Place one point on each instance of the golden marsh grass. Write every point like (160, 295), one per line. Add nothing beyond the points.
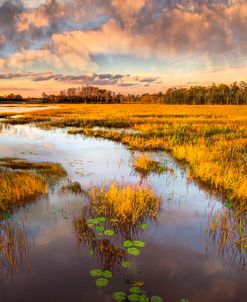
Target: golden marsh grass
(212, 140)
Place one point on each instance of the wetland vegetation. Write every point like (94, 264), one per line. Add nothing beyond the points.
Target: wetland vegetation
(120, 223)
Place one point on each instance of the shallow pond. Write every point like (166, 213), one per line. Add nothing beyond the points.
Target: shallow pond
(178, 260)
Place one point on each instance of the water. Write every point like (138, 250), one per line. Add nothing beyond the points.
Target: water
(178, 259)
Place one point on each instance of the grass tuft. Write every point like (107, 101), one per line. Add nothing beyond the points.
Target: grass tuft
(126, 203)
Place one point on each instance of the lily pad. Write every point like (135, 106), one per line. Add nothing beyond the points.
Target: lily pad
(107, 274)
(126, 264)
(119, 296)
(134, 297)
(156, 299)
(109, 232)
(99, 228)
(96, 272)
(92, 221)
(90, 252)
(184, 300)
(101, 219)
(144, 226)
(128, 243)
(139, 243)
(101, 282)
(143, 298)
(135, 290)
(133, 251)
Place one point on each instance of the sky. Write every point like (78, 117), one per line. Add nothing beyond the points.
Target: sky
(127, 46)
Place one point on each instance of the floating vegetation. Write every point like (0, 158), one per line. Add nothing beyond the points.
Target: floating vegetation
(104, 276)
(101, 282)
(90, 252)
(144, 226)
(109, 232)
(136, 294)
(135, 243)
(111, 212)
(133, 251)
(126, 264)
(119, 296)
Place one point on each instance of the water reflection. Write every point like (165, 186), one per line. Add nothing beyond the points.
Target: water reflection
(173, 263)
(14, 246)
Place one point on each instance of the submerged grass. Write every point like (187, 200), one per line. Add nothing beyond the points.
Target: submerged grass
(22, 181)
(144, 165)
(228, 231)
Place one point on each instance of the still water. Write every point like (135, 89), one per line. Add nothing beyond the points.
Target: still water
(178, 261)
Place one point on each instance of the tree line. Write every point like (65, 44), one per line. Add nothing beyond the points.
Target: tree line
(222, 94)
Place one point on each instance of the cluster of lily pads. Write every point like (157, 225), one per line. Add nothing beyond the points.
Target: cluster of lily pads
(103, 276)
(133, 247)
(98, 224)
(136, 294)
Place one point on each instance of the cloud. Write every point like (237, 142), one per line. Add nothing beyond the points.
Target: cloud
(82, 79)
(53, 36)
(40, 17)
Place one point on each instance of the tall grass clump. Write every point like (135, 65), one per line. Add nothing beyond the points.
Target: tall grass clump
(22, 181)
(126, 203)
(144, 165)
(18, 187)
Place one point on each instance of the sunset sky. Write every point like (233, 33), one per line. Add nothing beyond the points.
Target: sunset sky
(128, 46)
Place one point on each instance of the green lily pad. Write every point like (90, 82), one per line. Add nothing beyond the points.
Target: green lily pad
(156, 299)
(139, 243)
(90, 252)
(107, 274)
(99, 228)
(144, 226)
(101, 219)
(143, 298)
(92, 221)
(119, 296)
(134, 297)
(128, 243)
(101, 282)
(109, 232)
(96, 272)
(135, 290)
(133, 251)
(126, 264)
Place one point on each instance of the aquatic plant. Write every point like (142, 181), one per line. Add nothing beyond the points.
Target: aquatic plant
(127, 203)
(72, 187)
(144, 165)
(228, 229)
